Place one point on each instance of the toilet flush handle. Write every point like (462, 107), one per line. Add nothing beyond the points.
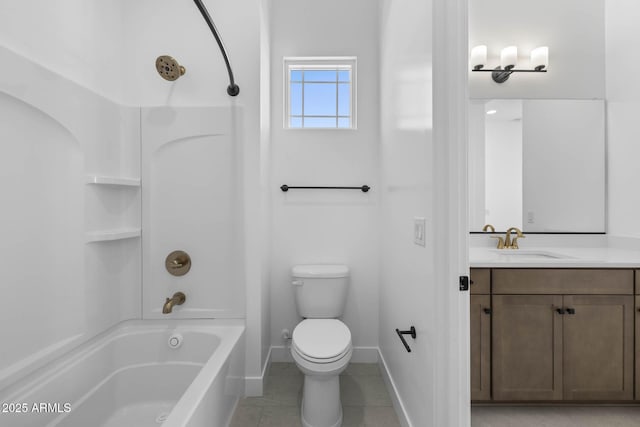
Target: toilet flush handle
(297, 282)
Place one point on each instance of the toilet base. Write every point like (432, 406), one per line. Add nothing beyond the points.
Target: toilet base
(321, 405)
(306, 424)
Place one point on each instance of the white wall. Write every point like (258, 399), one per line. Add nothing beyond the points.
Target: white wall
(407, 290)
(623, 110)
(573, 30)
(423, 153)
(326, 226)
(81, 40)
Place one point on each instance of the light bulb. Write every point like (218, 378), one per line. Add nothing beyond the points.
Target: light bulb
(478, 57)
(509, 57)
(540, 58)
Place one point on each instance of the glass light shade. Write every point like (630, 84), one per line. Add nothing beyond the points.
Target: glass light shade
(478, 57)
(540, 58)
(509, 57)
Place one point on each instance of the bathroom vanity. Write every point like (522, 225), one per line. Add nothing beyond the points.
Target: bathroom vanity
(547, 328)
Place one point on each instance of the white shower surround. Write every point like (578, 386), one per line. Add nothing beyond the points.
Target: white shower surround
(191, 201)
(56, 136)
(77, 272)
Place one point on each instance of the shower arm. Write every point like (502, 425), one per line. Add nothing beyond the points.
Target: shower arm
(233, 89)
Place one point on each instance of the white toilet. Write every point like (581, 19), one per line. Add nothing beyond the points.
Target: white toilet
(321, 344)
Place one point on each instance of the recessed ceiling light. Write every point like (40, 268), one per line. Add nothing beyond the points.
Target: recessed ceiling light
(492, 111)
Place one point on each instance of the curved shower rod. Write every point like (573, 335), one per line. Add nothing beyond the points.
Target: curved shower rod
(233, 89)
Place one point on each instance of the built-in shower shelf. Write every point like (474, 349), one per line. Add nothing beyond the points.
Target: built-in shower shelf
(113, 180)
(109, 235)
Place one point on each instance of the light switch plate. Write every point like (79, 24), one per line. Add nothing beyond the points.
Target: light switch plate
(419, 231)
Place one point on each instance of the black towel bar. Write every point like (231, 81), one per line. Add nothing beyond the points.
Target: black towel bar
(363, 188)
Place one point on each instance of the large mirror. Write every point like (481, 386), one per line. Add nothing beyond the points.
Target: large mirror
(538, 165)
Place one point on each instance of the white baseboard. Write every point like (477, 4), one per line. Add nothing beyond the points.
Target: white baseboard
(254, 386)
(360, 354)
(393, 392)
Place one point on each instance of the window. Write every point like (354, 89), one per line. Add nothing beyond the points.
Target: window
(320, 93)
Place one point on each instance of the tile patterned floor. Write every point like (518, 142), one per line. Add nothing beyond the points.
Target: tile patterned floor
(574, 416)
(365, 400)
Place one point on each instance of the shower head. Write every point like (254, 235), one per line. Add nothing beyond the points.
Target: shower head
(168, 68)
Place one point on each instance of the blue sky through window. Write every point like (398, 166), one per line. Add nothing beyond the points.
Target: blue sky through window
(319, 98)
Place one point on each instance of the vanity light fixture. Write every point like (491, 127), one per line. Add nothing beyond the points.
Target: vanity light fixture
(509, 61)
(540, 58)
(509, 57)
(478, 57)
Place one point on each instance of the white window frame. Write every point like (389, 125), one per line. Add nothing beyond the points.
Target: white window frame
(319, 63)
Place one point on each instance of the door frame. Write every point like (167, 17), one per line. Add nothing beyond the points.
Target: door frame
(450, 100)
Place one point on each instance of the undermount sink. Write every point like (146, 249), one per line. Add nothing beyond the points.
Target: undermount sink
(529, 254)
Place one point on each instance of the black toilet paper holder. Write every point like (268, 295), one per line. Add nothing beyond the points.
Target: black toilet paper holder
(411, 331)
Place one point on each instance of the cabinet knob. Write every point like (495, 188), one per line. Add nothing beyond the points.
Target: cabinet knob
(487, 310)
(560, 310)
(571, 310)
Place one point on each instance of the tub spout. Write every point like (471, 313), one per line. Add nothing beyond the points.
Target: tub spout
(177, 299)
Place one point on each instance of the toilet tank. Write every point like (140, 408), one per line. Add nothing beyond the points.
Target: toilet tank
(320, 290)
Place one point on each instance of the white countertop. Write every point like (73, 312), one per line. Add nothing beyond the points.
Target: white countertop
(554, 255)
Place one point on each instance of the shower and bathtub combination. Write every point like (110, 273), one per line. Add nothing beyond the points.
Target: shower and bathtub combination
(141, 373)
(117, 331)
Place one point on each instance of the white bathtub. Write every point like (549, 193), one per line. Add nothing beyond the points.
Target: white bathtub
(129, 376)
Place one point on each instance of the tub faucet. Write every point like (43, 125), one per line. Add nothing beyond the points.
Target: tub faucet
(177, 299)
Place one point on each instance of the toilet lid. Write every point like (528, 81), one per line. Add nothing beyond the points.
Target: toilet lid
(321, 338)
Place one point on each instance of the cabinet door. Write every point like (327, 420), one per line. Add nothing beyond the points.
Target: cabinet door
(637, 343)
(480, 347)
(527, 347)
(480, 281)
(598, 347)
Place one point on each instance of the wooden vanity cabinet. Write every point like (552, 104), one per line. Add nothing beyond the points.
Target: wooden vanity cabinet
(480, 281)
(480, 328)
(637, 349)
(598, 347)
(527, 347)
(556, 337)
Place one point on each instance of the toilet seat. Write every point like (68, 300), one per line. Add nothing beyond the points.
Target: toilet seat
(315, 360)
(321, 340)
